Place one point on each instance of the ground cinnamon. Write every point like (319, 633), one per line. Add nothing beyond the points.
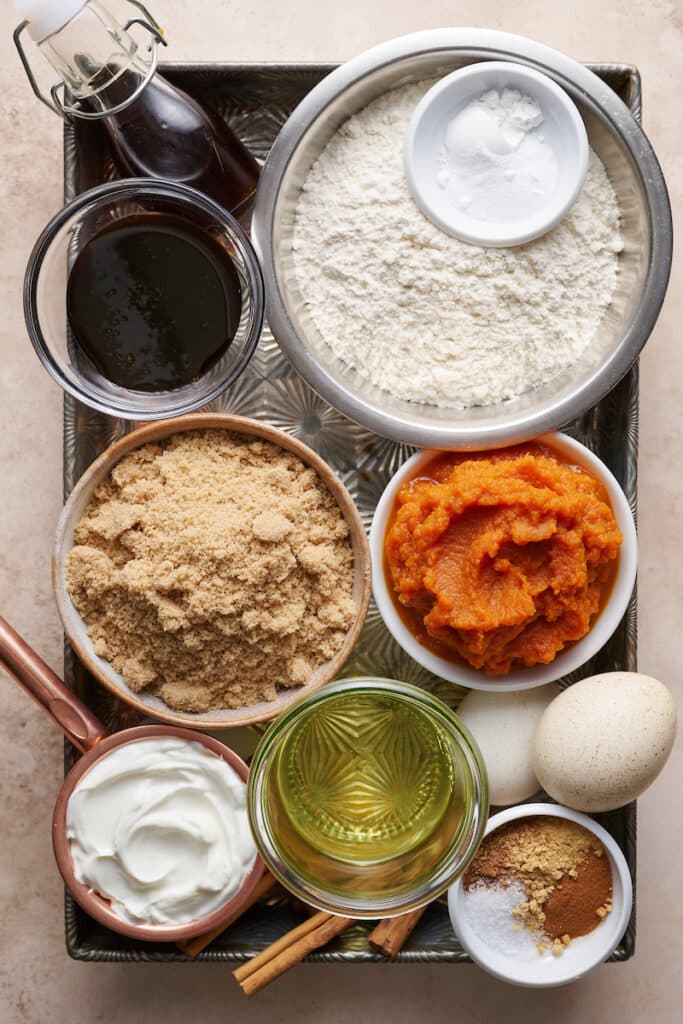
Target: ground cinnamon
(578, 904)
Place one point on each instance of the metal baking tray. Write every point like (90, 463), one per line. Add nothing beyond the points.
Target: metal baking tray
(256, 99)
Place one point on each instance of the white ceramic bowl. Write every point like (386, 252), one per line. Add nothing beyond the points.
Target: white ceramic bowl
(568, 660)
(563, 131)
(582, 954)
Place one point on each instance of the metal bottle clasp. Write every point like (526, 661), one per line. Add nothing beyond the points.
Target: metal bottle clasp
(66, 110)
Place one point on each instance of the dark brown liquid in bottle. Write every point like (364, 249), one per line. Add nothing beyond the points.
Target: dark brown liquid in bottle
(165, 133)
(153, 301)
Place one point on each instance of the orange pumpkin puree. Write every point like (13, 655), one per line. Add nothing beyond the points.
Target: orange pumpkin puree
(502, 558)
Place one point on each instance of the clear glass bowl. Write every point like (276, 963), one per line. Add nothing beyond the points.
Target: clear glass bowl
(359, 818)
(45, 296)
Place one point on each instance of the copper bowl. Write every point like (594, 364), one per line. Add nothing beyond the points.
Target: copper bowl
(89, 736)
(96, 905)
(76, 630)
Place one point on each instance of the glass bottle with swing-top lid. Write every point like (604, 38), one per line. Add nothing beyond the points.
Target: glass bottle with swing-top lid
(155, 129)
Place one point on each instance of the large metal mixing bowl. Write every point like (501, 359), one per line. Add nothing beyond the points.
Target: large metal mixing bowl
(644, 263)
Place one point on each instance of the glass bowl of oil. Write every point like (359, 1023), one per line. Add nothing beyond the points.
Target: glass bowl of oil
(368, 798)
(144, 299)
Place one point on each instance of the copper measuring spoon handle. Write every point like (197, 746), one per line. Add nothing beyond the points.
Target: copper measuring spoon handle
(20, 661)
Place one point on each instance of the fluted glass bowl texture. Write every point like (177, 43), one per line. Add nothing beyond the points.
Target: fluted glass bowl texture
(387, 885)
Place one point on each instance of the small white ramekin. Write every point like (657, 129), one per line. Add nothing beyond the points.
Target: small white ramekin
(582, 954)
(567, 660)
(563, 130)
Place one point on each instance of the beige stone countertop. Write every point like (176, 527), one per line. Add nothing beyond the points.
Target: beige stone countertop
(38, 982)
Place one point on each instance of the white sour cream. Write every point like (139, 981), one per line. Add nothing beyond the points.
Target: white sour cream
(159, 827)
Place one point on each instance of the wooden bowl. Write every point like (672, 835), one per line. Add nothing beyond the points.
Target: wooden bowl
(76, 630)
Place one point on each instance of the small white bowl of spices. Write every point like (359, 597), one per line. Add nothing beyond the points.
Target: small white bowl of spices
(547, 897)
(496, 154)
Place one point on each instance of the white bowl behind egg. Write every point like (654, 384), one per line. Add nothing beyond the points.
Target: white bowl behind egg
(582, 954)
(567, 660)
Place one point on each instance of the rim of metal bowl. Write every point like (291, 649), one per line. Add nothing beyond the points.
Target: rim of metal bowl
(447, 869)
(486, 44)
(121, 189)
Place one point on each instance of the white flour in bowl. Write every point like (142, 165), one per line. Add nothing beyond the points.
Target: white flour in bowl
(425, 316)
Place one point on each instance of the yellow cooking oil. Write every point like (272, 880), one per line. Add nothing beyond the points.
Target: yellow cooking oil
(366, 777)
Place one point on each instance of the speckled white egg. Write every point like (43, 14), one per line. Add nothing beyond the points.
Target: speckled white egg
(604, 740)
(503, 725)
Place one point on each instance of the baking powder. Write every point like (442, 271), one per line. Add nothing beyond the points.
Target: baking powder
(495, 164)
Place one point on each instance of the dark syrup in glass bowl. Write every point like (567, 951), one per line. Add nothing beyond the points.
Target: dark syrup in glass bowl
(153, 301)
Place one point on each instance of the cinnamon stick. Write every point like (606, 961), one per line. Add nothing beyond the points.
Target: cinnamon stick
(284, 942)
(193, 947)
(288, 951)
(390, 935)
